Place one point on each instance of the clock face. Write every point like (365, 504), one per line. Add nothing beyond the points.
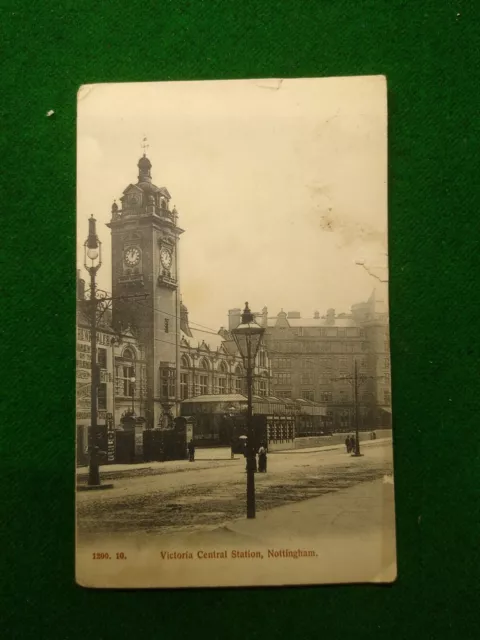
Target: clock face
(133, 200)
(166, 258)
(132, 256)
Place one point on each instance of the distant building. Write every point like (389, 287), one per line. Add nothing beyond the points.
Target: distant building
(310, 356)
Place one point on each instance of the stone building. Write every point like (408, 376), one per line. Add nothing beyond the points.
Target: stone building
(122, 372)
(210, 363)
(313, 359)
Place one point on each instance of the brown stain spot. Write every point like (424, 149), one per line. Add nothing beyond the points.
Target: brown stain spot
(327, 222)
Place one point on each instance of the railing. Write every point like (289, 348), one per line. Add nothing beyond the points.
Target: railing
(165, 213)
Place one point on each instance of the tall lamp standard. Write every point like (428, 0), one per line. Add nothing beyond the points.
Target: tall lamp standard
(356, 411)
(132, 382)
(248, 336)
(92, 263)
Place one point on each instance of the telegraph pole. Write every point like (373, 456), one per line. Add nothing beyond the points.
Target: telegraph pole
(355, 394)
(355, 381)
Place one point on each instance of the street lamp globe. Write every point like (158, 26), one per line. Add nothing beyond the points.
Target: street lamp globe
(248, 336)
(92, 247)
(92, 253)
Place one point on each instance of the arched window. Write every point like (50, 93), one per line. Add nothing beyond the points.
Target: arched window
(125, 372)
(262, 359)
(222, 377)
(184, 386)
(203, 386)
(128, 354)
(239, 380)
(167, 383)
(185, 362)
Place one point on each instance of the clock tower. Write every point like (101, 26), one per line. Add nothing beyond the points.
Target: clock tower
(145, 238)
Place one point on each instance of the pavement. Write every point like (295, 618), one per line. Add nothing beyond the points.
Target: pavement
(332, 447)
(203, 458)
(203, 455)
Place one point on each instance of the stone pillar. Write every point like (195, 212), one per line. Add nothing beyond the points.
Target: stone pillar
(138, 435)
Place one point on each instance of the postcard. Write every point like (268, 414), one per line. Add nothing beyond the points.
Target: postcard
(233, 405)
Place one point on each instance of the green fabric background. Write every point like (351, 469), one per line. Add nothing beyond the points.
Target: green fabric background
(429, 51)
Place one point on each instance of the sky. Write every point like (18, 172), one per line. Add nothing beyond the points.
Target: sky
(280, 185)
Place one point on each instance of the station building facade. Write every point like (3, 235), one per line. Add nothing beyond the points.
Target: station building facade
(313, 359)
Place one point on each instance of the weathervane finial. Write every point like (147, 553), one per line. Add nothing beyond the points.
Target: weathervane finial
(145, 145)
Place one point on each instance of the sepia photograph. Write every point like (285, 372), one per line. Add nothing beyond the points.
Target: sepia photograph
(233, 389)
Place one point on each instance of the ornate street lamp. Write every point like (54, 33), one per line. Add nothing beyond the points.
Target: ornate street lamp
(248, 336)
(92, 263)
(132, 382)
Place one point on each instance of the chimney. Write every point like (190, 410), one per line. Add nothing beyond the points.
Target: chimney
(331, 316)
(224, 333)
(184, 326)
(80, 287)
(264, 317)
(316, 315)
(234, 318)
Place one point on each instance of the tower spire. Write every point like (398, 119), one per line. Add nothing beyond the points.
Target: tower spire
(144, 164)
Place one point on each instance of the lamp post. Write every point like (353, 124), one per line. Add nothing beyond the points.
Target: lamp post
(248, 336)
(355, 396)
(92, 263)
(132, 382)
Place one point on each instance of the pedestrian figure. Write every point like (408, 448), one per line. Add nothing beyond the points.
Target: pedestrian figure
(191, 451)
(232, 445)
(262, 458)
(348, 444)
(94, 467)
(353, 444)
